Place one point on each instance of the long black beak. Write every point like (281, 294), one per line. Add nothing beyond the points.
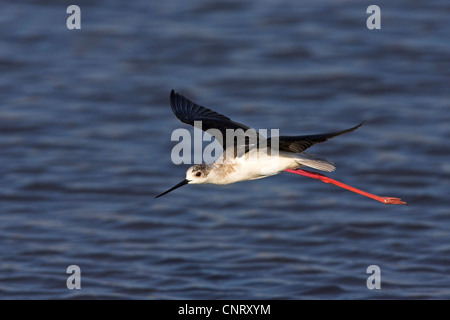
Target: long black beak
(182, 183)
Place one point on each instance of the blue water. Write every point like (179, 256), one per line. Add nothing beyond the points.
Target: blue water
(85, 128)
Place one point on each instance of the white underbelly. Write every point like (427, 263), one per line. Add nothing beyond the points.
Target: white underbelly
(257, 167)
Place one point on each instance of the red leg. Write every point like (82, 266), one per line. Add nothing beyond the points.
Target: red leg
(323, 178)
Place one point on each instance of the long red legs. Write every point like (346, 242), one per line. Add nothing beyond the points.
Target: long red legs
(323, 178)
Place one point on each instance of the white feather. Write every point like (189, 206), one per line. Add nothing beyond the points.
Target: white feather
(316, 162)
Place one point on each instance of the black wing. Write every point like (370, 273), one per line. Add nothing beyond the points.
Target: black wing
(298, 144)
(189, 112)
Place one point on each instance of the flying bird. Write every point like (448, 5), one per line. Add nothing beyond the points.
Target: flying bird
(247, 155)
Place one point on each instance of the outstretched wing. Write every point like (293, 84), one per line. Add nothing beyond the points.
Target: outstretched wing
(298, 144)
(215, 123)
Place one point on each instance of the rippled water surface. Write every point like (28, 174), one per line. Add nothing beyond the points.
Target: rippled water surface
(85, 128)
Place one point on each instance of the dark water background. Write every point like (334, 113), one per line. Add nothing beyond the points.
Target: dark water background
(85, 129)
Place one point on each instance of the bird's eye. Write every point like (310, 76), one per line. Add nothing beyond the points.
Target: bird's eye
(198, 174)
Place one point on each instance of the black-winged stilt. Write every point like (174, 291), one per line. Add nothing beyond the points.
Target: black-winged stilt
(254, 158)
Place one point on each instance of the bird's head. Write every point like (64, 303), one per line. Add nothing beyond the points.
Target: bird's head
(197, 174)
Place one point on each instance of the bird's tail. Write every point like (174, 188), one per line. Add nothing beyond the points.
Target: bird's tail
(311, 160)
